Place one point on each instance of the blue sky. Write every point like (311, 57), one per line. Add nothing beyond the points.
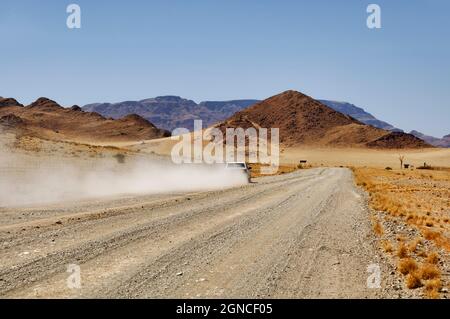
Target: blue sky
(217, 50)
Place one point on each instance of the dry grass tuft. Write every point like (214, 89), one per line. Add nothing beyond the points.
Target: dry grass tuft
(387, 246)
(378, 228)
(429, 271)
(407, 266)
(413, 281)
(431, 235)
(413, 245)
(422, 254)
(432, 288)
(402, 251)
(433, 258)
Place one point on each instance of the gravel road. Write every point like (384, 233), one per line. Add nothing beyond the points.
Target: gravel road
(301, 235)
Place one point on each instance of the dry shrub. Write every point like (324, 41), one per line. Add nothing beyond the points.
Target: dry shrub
(387, 246)
(120, 158)
(429, 271)
(433, 258)
(432, 294)
(431, 235)
(422, 254)
(413, 280)
(413, 245)
(432, 288)
(402, 251)
(407, 266)
(377, 228)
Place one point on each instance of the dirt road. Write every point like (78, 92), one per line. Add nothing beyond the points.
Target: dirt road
(300, 235)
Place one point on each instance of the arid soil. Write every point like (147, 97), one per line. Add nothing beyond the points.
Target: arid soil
(302, 234)
(359, 157)
(323, 156)
(299, 235)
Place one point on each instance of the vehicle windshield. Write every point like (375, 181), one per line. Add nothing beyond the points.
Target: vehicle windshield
(236, 165)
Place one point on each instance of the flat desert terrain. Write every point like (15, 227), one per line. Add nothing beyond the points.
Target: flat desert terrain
(148, 230)
(323, 156)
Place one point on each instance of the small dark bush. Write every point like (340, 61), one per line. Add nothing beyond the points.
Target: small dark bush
(120, 158)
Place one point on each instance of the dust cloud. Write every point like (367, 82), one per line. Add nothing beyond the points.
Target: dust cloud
(26, 179)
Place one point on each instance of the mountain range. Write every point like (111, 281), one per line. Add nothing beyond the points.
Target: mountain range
(45, 118)
(304, 121)
(367, 118)
(301, 119)
(435, 141)
(360, 114)
(170, 112)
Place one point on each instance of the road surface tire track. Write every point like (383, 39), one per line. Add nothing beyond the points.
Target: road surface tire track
(304, 234)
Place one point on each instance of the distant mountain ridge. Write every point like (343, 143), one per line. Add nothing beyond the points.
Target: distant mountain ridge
(360, 114)
(304, 121)
(170, 112)
(440, 142)
(129, 120)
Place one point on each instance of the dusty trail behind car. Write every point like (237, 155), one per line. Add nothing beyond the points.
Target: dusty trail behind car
(304, 234)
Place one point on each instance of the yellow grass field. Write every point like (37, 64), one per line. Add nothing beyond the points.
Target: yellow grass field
(418, 197)
(420, 200)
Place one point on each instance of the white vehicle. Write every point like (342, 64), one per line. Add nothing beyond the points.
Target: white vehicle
(242, 166)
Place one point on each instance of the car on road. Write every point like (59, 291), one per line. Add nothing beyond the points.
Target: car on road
(242, 166)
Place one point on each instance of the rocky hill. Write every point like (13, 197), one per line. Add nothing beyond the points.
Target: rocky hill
(305, 121)
(45, 118)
